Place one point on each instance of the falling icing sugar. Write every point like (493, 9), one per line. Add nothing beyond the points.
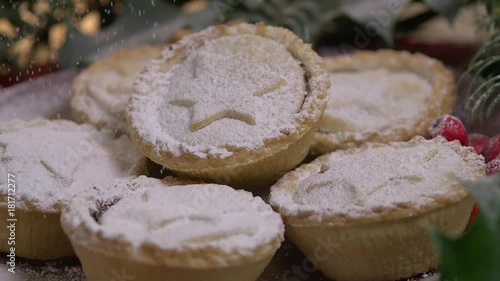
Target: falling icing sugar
(234, 91)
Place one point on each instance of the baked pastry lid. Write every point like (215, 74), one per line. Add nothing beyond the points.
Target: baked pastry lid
(281, 197)
(105, 109)
(440, 102)
(317, 84)
(49, 198)
(80, 221)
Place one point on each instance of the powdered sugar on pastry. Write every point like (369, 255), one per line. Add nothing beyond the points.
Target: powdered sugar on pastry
(173, 218)
(373, 100)
(234, 91)
(100, 93)
(377, 179)
(54, 160)
(211, 218)
(382, 96)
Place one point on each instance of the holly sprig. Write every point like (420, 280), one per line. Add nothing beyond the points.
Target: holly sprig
(476, 255)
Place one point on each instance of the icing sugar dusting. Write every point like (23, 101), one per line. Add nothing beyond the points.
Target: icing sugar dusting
(146, 211)
(194, 216)
(381, 177)
(234, 91)
(54, 160)
(372, 100)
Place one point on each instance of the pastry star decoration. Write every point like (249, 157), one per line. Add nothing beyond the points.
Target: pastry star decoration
(222, 87)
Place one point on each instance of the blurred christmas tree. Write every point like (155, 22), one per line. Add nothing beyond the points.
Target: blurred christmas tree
(33, 31)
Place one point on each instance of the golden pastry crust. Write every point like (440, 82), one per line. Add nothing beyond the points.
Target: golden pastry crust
(107, 109)
(281, 197)
(243, 161)
(394, 250)
(97, 244)
(441, 101)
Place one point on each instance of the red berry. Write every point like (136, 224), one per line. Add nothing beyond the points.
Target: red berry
(493, 167)
(492, 149)
(478, 141)
(473, 214)
(450, 127)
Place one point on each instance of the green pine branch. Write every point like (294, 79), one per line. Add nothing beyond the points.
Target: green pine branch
(484, 70)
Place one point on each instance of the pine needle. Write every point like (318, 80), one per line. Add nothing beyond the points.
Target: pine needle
(482, 97)
(482, 102)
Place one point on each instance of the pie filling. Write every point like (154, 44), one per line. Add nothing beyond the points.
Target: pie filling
(101, 206)
(373, 99)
